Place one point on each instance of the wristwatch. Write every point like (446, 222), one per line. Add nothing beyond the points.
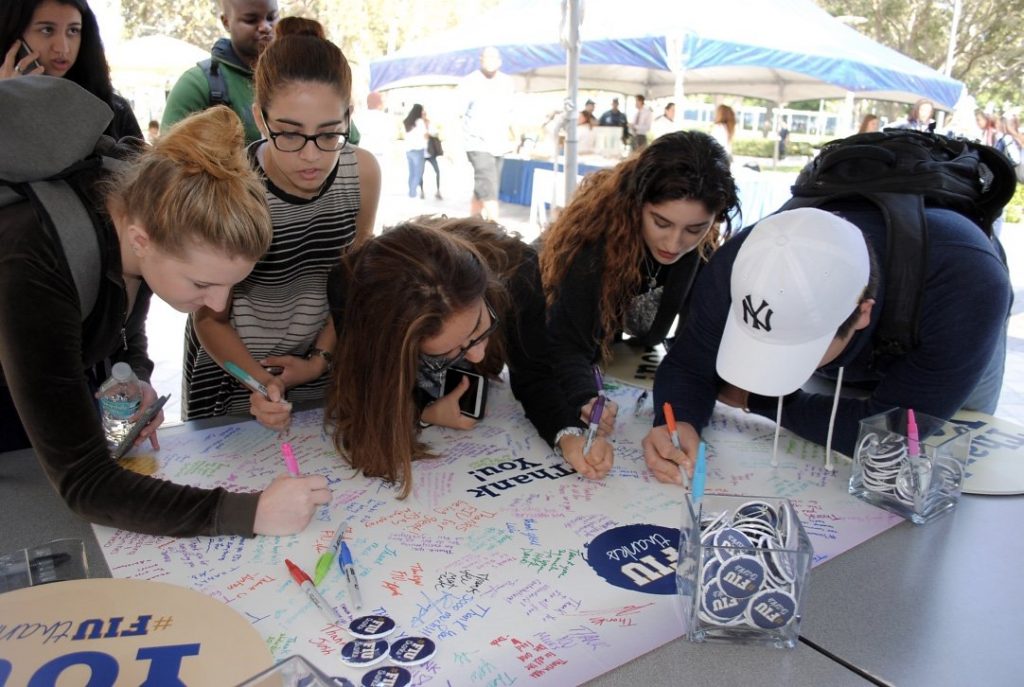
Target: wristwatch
(328, 357)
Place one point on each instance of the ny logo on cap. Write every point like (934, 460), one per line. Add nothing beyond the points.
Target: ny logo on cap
(748, 310)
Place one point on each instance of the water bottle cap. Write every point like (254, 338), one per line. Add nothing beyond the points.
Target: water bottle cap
(122, 372)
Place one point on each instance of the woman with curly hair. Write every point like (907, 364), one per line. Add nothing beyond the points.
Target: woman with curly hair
(426, 300)
(623, 255)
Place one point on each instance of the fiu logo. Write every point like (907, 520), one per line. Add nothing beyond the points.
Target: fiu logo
(750, 313)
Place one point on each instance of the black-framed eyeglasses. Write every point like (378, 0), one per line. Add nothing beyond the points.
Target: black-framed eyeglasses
(293, 141)
(439, 363)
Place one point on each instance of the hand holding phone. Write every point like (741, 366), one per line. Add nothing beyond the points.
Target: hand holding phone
(474, 401)
(21, 66)
(133, 434)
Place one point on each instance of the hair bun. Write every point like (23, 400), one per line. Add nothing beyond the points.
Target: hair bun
(299, 26)
(208, 142)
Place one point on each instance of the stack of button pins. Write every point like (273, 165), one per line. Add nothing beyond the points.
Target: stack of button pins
(748, 578)
(888, 469)
(370, 648)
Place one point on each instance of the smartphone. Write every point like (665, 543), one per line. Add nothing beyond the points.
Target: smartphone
(473, 402)
(23, 52)
(133, 434)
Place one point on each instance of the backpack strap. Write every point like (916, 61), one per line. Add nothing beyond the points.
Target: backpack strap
(57, 204)
(215, 80)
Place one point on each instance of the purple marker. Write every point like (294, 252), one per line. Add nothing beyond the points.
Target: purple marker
(595, 420)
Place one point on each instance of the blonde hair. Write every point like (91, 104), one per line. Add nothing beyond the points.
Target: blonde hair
(195, 186)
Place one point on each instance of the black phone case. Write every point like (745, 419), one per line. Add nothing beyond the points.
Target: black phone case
(477, 385)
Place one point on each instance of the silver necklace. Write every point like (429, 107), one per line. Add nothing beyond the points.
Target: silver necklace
(652, 279)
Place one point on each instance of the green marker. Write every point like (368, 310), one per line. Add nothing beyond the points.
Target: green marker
(323, 565)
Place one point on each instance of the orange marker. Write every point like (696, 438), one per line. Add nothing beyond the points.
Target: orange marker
(670, 420)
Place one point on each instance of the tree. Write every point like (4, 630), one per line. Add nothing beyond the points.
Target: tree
(989, 54)
(193, 21)
(363, 29)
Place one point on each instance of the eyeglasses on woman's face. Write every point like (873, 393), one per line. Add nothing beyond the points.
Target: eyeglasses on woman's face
(441, 363)
(294, 141)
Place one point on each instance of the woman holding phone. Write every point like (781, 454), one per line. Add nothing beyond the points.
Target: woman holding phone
(186, 220)
(61, 38)
(424, 300)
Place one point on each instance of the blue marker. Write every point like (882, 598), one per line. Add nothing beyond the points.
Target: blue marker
(248, 380)
(700, 473)
(245, 378)
(349, 570)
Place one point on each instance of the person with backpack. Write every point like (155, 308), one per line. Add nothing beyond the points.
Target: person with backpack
(61, 38)
(323, 194)
(808, 291)
(184, 219)
(225, 78)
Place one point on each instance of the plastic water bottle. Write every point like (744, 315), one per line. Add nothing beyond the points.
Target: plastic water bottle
(120, 397)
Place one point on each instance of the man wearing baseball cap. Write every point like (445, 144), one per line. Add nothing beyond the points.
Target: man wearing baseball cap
(801, 293)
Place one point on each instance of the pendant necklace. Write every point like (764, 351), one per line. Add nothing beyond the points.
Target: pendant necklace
(652, 279)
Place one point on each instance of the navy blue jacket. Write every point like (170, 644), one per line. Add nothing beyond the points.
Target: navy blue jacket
(966, 302)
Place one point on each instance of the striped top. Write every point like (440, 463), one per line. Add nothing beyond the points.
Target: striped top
(280, 308)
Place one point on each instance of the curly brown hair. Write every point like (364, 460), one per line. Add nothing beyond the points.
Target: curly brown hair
(608, 209)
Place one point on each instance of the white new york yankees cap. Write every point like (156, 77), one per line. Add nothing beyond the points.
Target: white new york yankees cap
(796, 278)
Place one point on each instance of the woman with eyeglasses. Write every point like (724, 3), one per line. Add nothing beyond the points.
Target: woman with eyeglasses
(425, 298)
(323, 194)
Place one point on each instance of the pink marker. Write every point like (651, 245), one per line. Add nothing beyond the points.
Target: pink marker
(289, 459)
(913, 438)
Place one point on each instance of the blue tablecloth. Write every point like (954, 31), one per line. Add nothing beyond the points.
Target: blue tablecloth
(517, 178)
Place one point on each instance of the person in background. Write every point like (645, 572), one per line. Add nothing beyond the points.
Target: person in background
(641, 124)
(457, 294)
(665, 122)
(868, 124)
(724, 127)
(615, 117)
(585, 132)
(152, 132)
(184, 219)
(323, 196)
(621, 258)
(378, 128)
(988, 130)
(250, 27)
(417, 129)
(434, 150)
(920, 117)
(488, 95)
(63, 38)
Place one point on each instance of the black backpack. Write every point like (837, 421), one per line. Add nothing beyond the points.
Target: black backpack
(47, 156)
(901, 171)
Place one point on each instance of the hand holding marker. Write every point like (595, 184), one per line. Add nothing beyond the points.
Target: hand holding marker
(248, 380)
(670, 420)
(595, 411)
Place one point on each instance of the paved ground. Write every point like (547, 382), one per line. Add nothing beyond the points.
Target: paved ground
(166, 327)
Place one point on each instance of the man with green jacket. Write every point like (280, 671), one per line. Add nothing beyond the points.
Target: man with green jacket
(250, 25)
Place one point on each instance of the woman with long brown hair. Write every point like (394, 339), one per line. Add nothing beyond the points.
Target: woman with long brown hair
(623, 255)
(425, 298)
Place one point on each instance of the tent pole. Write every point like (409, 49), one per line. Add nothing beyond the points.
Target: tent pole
(572, 49)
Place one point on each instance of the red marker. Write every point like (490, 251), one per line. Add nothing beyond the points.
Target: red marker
(306, 584)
